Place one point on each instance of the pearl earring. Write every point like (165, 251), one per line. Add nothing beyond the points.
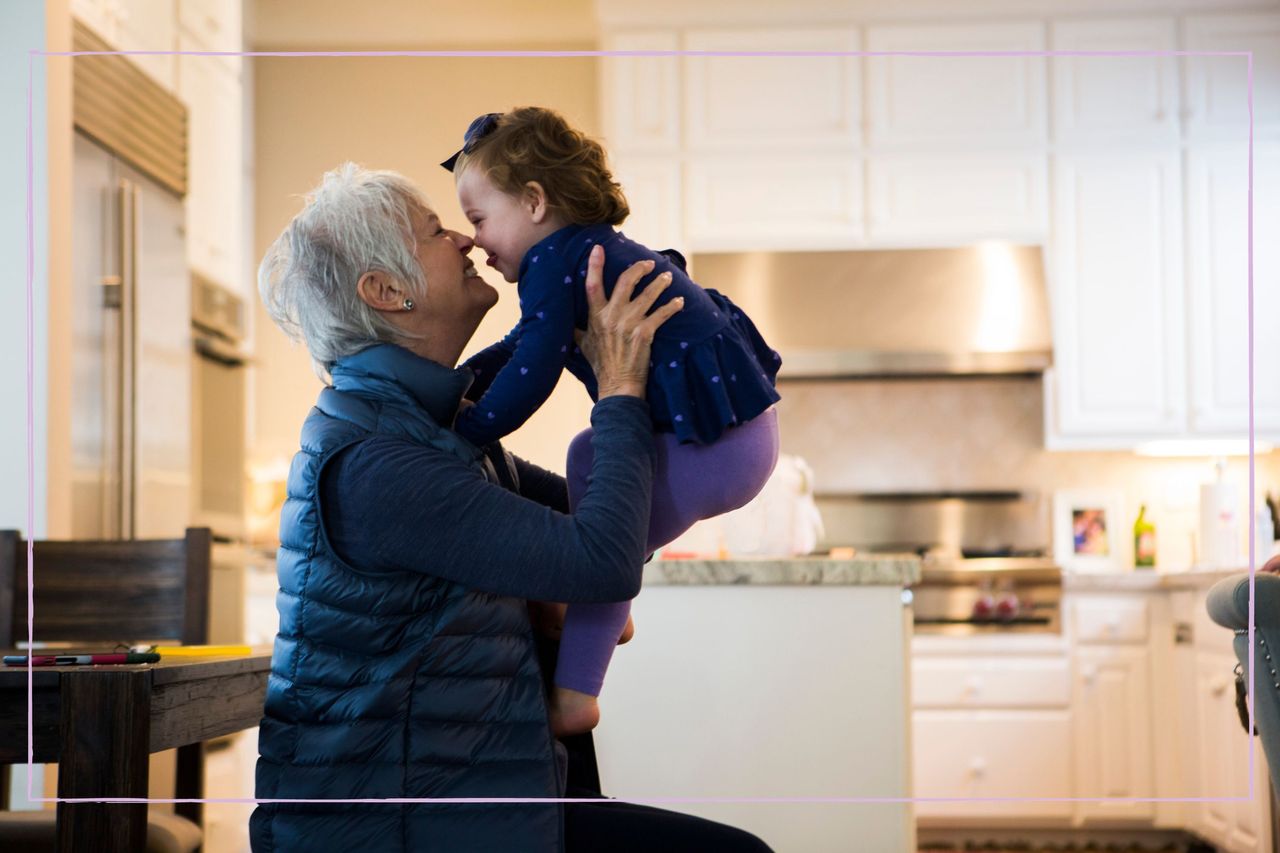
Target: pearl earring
(408, 304)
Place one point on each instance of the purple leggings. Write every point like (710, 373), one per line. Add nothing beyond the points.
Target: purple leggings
(690, 482)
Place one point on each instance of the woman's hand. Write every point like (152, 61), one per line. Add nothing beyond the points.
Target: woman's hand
(620, 330)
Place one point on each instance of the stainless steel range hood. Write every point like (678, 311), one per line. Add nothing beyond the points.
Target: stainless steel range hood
(976, 310)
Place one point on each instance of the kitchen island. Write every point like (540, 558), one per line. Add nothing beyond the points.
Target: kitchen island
(755, 685)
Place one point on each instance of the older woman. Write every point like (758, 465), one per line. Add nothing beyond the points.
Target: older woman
(405, 665)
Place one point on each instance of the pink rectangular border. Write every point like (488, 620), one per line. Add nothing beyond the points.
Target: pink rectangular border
(602, 53)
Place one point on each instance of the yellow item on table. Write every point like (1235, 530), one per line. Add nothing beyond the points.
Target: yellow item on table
(202, 651)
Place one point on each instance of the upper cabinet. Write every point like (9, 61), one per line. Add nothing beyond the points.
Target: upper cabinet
(212, 94)
(746, 203)
(916, 101)
(135, 27)
(1218, 286)
(216, 26)
(652, 186)
(780, 103)
(942, 198)
(212, 88)
(642, 108)
(1101, 100)
(1217, 87)
(1126, 160)
(1115, 279)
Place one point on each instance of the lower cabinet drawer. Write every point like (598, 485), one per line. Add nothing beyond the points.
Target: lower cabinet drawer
(983, 754)
(990, 682)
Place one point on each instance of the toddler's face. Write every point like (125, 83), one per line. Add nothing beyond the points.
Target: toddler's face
(504, 224)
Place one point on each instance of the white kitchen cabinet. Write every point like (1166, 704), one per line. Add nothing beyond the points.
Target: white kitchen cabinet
(779, 103)
(1103, 100)
(748, 203)
(652, 188)
(1110, 619)
(1002, 753)
(1217, 105)
(150, 27)
(1228, 817)
(930, 199)
(132, 26)
(640, 96)
(994, 682)
(941, 102)
(1217, 284)
(991, 722)
(213, 97)
(214, 25)
(1116, 290)
(1111, 709)
(101, 16)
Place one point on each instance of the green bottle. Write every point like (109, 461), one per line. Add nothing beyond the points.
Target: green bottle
(1144, 540)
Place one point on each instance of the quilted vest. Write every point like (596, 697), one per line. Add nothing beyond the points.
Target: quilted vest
(396, 685)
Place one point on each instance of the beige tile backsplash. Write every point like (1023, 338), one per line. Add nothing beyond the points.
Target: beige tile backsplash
(972, 434)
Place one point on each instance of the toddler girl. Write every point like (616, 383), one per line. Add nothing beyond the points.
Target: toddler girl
(540, 198)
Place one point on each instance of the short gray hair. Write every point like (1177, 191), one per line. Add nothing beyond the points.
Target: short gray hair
(357, 221)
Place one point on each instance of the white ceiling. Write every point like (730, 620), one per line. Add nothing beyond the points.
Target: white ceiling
(419, 24)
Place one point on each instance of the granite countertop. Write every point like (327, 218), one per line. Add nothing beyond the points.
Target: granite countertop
(1146, 579)
(859, 570)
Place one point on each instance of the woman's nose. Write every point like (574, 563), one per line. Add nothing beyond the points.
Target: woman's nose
(462, 241)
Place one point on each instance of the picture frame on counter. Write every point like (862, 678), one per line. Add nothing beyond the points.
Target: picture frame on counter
(1089, 530)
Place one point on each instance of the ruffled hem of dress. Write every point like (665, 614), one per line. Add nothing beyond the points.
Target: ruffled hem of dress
(720, 382)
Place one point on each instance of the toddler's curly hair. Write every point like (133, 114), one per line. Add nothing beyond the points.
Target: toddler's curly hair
(538, 144)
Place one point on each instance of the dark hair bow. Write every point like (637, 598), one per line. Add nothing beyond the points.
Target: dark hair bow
(477, 130)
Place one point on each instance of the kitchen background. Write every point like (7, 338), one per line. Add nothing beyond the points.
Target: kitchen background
(1127, 170)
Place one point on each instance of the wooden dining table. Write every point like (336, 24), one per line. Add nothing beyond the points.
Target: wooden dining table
(100, 724)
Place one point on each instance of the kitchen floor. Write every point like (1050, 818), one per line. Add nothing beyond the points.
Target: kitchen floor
(229, 768)
(1084, 845)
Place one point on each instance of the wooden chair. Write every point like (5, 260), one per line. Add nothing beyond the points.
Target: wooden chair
(99, 593)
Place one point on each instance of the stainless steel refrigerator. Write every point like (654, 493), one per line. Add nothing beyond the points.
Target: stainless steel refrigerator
(131, 353)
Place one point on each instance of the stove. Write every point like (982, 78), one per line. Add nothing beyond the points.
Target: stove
(985, 559)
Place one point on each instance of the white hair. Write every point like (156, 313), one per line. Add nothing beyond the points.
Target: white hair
(357, 221)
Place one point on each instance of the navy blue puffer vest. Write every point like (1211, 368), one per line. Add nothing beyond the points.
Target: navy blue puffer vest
(396, 685)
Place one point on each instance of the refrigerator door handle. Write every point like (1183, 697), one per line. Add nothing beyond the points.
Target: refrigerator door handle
(128, 390)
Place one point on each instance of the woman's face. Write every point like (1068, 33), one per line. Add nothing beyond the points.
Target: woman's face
(455, 291)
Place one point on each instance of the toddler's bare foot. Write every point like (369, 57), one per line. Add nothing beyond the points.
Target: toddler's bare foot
(572, 712)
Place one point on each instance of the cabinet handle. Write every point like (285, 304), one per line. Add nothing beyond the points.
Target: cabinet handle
(978, 767)
(1219, 687)
(972, 686)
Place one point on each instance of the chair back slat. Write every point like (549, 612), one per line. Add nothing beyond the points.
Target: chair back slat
(108, 591)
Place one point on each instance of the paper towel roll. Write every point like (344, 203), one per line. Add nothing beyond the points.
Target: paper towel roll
(1219, 525)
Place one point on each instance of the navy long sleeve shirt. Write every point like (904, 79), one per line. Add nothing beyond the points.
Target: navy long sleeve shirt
(390, 500)
(711, 369)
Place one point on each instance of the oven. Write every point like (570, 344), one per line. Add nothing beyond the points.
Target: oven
(985, 569)
(219, 407)
(218, 441)
(988, 596)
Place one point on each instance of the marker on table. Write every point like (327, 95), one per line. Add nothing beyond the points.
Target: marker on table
(202, 651)
(72, 660)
